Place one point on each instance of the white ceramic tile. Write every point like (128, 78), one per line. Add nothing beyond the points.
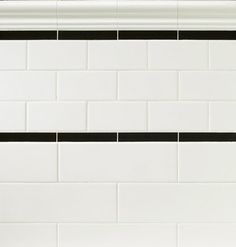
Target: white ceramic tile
(114, 116)
(27, 85)
(61, 55)
(215, 85)
(223, 54)
(207, 235)
(147, 85)
(12, 55)
(223, 116)
(87, 85)
(173, 116)
(28, 162)
(118, 162)
(12, 116)
(73, 235)
(178, 55)
(28, 235)
(177, 202)
(56, 116)
(207, 162)
(51, 202)
(110, 55)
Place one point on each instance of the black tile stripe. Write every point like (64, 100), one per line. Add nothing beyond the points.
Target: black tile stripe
(87, 137)
(87, 35)
(28, 137)
(207, 137)
(28, 35)
(207, 35)
(148, 137)
(138, 34)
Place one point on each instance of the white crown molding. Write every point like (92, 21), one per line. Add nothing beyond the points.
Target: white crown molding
(121, 14)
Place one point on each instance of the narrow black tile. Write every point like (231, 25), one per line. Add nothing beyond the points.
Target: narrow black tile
(207, 137)
(206, 35)
(87, 137)
(27, 137)
(87, 35)
(148, 137)
(28, 35)
(138, 34)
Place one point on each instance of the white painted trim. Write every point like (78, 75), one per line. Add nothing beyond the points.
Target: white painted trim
(121, 14)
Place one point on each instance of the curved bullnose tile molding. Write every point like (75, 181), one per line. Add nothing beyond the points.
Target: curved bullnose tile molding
(28, 15)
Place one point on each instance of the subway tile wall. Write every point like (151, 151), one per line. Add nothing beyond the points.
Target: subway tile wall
(168, 194)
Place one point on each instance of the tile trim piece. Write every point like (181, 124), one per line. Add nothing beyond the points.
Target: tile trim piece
(117, 137)
(118, 15)
(29, 35)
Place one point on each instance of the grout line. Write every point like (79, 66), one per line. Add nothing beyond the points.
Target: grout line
(27, 56)
(87, 55)
(86, 116)
(177, 235)
(57, 235)
(58, 165)
(26, 116)
(208, 55)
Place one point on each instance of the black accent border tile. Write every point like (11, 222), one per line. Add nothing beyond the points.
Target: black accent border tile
(207, 137)
(148, 137)
(207, 35)
(87, 35)
(148, 34)
(28, 137)
(28, 35)
(87, 137)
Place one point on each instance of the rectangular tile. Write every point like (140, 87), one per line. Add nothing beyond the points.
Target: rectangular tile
(87, 137)
(51, 202)
(92, 235)
(178, 55)
(28, 235)
(13, 55)
(207, 137)
(57, 55)
(118, 162)
(178, 116)
(28, 35)
(90, 85)
(12, 116)
(217, 85)
(148, 137)
(118, 55)
(207, 235)
(151, 85)
(27, 85)
(222, 116)
(223, 55)
(87, 35)
(27, 137)
(28, 162)
(177, 202)
(56, 116)
(117, 116)
(207, 162)
(207, 35)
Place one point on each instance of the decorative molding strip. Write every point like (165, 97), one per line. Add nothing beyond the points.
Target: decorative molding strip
(117, 15)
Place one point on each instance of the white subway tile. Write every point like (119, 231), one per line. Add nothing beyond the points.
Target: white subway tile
(12, 116)
(111, 55)
(223, 116)
(27, 85)
(173, 116)
(51, 202)
(87, 85)
(125, 116)
(28, 162)
(119, 235)
(61, 55)
(28, 235)
(118, 162)
(147, 85)
(13, 55)
(56, 116)
(223, 54)
(208, 85)
(207, 235)
(179, 55)
(177, 202)
(207, 162)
